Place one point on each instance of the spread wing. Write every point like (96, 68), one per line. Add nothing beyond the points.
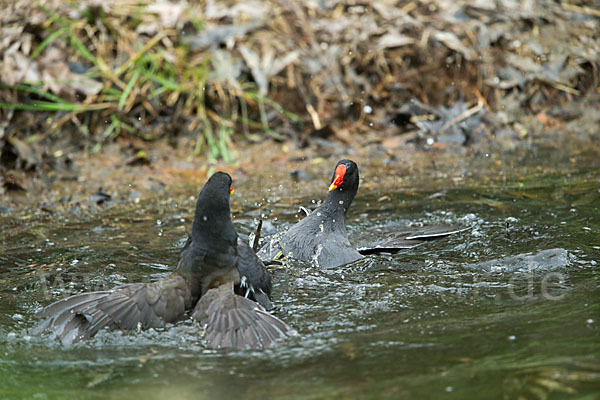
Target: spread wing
(410, 238)
(134, 306)
(232, 321)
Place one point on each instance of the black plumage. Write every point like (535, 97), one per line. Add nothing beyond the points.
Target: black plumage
(209, 267)
(321, 238)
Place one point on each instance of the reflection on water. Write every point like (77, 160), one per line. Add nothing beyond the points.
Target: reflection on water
(507, 309)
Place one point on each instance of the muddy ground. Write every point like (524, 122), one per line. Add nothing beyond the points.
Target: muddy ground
(95, 96)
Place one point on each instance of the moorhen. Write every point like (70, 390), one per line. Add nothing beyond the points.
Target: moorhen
(321, 239)
(213, 263)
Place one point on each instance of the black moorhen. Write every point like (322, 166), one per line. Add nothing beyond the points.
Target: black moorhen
(212, 263)
(321, 237)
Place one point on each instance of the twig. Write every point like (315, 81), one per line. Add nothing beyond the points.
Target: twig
(481, 98)
(314, 116)
(581, 10)
(464, 115)
(151, 43)
(565, 88)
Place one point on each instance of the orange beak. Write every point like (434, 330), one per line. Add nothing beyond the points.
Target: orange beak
(231, 190)
(338, 179)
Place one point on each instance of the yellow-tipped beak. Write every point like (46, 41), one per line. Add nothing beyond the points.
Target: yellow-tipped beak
(231, 191)
(338, 179)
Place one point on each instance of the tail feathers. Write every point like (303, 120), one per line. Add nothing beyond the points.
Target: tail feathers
(409, 239)
(232, 321)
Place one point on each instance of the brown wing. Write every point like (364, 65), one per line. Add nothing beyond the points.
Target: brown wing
(232, 321)
(140, 305)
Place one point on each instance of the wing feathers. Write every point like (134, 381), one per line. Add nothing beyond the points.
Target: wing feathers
(232, 321)
(125, 307)
(409, 239)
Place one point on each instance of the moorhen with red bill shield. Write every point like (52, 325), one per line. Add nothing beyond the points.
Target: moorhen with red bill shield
(216, 278)
(321, 239)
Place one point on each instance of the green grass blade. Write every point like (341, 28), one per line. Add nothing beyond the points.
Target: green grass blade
(35, 90)
(258, 98)
(128, 89)
(49, 106)
(169, 84)
(263, 114)
(81, 49)
(77, 44)
(224, 133)
(46, 42)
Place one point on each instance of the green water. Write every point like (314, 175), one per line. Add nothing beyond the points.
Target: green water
(509, 309)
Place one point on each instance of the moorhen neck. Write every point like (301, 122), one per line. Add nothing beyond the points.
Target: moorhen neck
(212, 264)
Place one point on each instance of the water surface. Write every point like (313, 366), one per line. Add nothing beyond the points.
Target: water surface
(507, 309)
